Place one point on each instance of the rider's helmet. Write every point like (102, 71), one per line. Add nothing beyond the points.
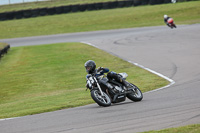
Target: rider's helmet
(165, 16)
(90, 66)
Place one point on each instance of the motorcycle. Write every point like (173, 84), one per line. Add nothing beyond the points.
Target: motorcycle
(171, 23)
(105, 91)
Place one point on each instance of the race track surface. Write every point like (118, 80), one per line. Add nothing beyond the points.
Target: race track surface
(174, 53)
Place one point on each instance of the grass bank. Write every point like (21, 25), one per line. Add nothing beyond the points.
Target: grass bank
(36, 79)
(2, 45)
(185, 129)
(183, 13)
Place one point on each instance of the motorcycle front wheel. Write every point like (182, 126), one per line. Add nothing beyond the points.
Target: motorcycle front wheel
(174, 25)
(136, 94)
(99, 99)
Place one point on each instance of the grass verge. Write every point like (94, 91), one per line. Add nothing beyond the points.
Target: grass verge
(183, 13)
(2, 45)
(36, 79)
(185, 129)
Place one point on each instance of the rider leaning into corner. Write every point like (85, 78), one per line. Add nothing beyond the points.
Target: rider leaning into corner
(90, 67)
(168, 23)
(166, 18)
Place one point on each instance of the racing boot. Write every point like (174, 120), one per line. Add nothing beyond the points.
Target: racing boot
(126, 84)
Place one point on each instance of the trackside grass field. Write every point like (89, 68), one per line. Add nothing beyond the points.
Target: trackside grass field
(2, 45)
(185, 129)
(36, 79)
(183, 13)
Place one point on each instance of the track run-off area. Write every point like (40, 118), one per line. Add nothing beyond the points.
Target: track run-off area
(174, 53)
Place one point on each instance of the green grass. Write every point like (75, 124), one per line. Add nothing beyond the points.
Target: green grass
(36, 79)
(2, 45)
(185, 129)
(183, 13)
(42, 4)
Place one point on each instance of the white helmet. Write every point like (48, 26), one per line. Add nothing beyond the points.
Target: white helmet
(165, 16)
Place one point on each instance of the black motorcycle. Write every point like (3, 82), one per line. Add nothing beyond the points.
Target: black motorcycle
(104, 91)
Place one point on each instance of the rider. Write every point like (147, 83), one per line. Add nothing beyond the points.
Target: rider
(90, 67)
(166, 18)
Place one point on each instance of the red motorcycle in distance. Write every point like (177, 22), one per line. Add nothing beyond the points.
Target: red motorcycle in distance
(171, 24)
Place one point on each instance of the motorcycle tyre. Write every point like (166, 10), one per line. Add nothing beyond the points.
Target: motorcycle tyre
(133, 97)
(174, 26)
(100, 103)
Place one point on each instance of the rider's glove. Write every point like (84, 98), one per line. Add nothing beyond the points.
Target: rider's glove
(99, 69)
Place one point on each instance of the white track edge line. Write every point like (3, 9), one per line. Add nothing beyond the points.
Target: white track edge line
(9, 118)
(156, 73)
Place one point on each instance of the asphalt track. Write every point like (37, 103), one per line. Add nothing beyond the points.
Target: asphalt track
(174, 53)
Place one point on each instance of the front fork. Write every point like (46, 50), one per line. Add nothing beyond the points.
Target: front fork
(98, 86)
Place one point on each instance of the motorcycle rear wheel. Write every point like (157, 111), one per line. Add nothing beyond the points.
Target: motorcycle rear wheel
(136, 95)
(104, 100)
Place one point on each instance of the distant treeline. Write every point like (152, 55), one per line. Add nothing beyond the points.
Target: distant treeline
(79, 8)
